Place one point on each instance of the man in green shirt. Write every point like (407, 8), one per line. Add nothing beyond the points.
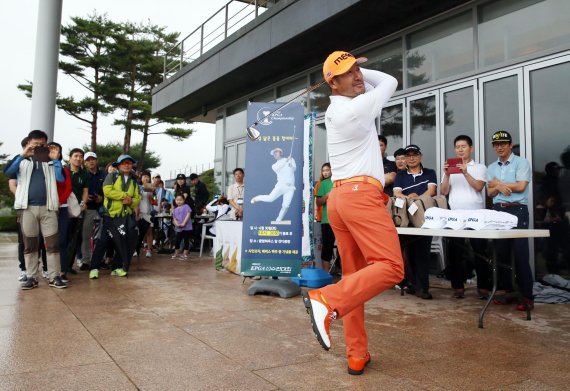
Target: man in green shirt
(80, 188)
(327, 233)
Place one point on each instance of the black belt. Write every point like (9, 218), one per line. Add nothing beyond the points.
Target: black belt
(509, 204)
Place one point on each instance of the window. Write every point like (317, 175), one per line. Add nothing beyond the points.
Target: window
(510, 29)
(236, 118)
(387, 59)
(441, 50)
(219, 148)
(319, 97)
(290, 90)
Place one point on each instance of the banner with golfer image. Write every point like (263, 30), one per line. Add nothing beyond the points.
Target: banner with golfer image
(272, 224)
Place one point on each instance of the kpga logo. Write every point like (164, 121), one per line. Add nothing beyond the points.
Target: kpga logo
(263, 117)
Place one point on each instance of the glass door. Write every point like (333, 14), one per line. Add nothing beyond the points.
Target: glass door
(501, 103)
(391, 125)
(423, 125)
(320, 150)
(547, 118)
(458, 116)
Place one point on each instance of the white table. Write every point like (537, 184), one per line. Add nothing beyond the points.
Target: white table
(480, 234)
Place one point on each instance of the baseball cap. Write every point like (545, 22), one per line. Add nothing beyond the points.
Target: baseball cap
(456, 219)
(122, 158)
(90, 154)
(501, 136)
(180, 176)
(193, 176)
(412, 148)
(275, 150)
(339, 62)
(435, 218)
(399, 152)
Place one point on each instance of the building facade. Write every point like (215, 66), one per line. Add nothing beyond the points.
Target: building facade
(464, 67)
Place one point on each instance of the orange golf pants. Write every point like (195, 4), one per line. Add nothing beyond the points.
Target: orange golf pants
(371, 257)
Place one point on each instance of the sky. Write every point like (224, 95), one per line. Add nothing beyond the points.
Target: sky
(18, 20)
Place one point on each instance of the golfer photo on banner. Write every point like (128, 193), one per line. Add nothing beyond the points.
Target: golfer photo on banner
(272, 225)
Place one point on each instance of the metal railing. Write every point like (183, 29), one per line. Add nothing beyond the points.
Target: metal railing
(191, 168)
(234, 15)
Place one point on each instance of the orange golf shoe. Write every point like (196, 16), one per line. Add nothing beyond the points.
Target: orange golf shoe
(356, 365)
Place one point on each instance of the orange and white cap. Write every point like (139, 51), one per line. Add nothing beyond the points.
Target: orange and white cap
(339, 62)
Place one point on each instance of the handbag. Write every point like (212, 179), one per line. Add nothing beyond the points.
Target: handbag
(73, 207)
(399, 215)
(425, 202)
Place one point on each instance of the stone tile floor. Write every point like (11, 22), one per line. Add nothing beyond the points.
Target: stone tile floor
(175, 325)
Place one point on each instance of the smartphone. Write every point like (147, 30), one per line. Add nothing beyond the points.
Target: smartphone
(41, 154)
(453, 162)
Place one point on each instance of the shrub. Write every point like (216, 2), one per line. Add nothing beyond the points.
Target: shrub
(8, 223)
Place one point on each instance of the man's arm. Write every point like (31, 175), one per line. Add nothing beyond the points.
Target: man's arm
(495, 187)
(398, 192)
(58, 168)
(12, 184)
(476, 184)
(389, 177)
(322, 200)
(84, 198)
(389, 173)
(383, 87)
(431, 190)
(445, 186)
(13, 166)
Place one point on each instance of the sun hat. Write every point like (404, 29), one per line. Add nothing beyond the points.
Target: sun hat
(122, 158)
(339, 62)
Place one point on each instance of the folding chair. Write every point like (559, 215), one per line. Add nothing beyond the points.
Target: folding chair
(438, 249)
(205, 227)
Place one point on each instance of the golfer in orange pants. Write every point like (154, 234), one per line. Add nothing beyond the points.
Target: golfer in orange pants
(365, 234)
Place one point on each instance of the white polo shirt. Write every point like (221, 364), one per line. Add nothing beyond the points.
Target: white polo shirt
(461, 194)
(352, 137)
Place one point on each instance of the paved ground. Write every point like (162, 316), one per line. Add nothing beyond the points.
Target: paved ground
(176, 325)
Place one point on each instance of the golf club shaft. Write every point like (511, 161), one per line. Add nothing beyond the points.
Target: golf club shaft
(311, 88)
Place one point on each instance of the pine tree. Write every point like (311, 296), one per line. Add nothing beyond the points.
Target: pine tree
(84, 50)
(139, 56)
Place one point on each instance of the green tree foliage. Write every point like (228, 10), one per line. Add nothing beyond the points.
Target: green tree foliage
(118, 64)
(6, 196)
(139, 59)
(85, 49)
(207, 177)
(109, 153)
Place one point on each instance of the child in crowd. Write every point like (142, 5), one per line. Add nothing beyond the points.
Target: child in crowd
(183, 226)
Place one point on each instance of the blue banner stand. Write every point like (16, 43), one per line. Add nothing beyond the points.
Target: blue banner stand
(313, 277)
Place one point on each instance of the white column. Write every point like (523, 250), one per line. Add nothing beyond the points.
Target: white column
(46, 66)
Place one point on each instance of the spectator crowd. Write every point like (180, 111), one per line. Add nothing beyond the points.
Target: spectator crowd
(77, 216)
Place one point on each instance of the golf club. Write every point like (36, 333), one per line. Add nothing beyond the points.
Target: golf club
(254, 134)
